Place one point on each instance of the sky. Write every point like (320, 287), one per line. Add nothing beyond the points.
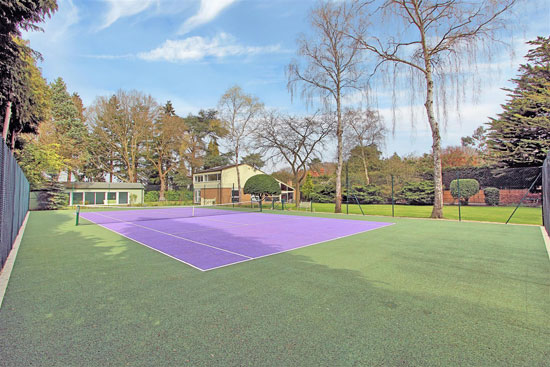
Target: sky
(191, 51)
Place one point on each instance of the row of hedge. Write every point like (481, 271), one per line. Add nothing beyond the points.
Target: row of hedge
(412, 193)
(169, 195)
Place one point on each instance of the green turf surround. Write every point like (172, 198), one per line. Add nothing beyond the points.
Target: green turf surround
(418, 293)
(497, 214)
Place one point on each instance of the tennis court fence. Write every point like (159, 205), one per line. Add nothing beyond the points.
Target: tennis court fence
(14, 200)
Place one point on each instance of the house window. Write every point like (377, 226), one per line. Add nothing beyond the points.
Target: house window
(235, 196)
(89, 198)
(123, 198)
(199, 178)
(77, 198)
(111, 198)
(100, 198)
(214, 177)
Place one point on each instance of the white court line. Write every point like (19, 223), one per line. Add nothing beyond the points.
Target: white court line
(546, 240)
(173, 235)
(141, 243)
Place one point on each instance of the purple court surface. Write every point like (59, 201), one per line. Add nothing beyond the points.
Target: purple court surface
(213, 241)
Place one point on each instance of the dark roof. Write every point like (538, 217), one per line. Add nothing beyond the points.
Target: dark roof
(103, 185)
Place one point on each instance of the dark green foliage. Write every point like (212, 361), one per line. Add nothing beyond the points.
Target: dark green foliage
(492, 196)
(169, 195)
(254, 159)
(14, 86)
(262, 185)
(324, 192)
(418, 193)
(520, 135)
(52, 196)
(151, 196)
(369, 194)
(468, 187)
(504, 178)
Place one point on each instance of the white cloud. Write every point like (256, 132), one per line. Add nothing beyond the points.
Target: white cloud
(197, 48)
(124, 8)
(208, 10)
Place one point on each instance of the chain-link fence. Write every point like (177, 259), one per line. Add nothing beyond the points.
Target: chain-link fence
(480, 194)
(546, 193)
(14, 200)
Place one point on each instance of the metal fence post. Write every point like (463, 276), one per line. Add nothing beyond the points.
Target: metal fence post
(392, 199)
(458, 189)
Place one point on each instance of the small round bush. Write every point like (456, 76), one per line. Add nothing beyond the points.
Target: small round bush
(262, 185)
(468, 188)
(492, 196)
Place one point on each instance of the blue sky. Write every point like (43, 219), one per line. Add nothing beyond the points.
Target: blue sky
(191, 51)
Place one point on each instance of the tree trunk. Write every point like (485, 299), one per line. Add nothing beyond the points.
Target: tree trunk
(297, 194)
(7, 117)
(339, 131)
(364, 159)
(13, 139)
(162, 181)
(437, 211)
(69, 175)
(238, 173)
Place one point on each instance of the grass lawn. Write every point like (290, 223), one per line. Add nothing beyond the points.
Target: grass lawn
(418, 293)
(498, 214)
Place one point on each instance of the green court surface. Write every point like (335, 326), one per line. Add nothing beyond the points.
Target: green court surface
(417, 293)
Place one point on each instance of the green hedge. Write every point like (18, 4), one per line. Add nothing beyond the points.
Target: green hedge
(417, 193)
(369, 194)
(492, 196)
(169, 195)
(261, 185)
(468, 188)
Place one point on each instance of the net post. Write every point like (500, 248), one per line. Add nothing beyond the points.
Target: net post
(77, 214)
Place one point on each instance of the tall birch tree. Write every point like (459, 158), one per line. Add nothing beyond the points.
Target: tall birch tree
(435, 40)
(329, 68)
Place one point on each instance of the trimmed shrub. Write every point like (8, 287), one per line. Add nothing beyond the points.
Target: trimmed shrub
(369, 194)
(262, 185)
(492, 196)
(151, 196)
(418, 193)
(468, 188)
(323, 192)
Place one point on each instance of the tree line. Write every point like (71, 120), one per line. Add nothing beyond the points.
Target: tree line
(348, 52)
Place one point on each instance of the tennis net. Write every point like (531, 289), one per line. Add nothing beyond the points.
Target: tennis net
(115, 214)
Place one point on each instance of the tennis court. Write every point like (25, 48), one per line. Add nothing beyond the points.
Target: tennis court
(211, 237)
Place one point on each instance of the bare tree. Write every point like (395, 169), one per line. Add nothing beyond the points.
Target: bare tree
(438, 39)
(295, 140)
(238, 112)
(364, 128)
(331, 69)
